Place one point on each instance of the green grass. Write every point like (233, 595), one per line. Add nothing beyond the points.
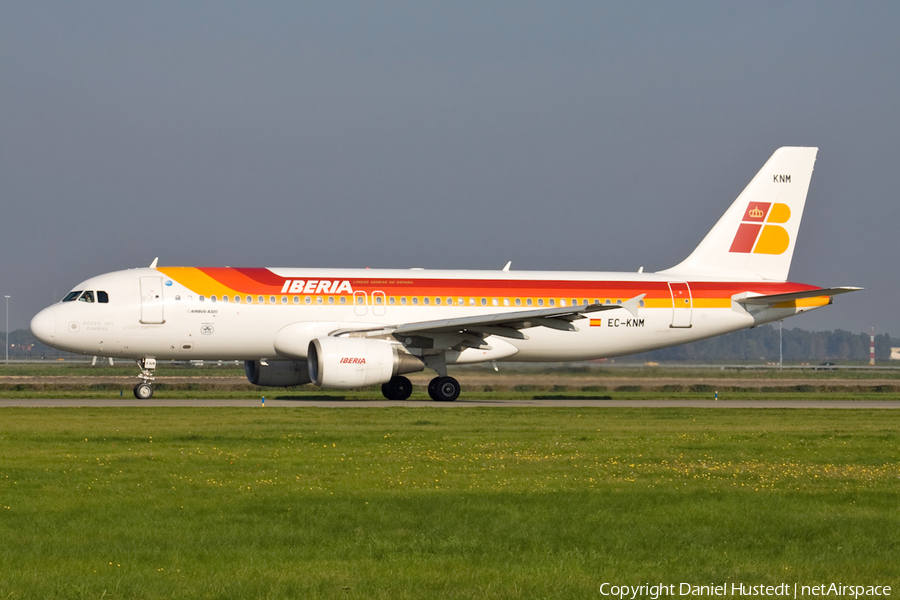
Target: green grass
(415, 503)
(872, 393)
(575, 371)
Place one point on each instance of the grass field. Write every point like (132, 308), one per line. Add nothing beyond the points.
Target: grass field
(176, 381)
(125, 368)
(427, 503)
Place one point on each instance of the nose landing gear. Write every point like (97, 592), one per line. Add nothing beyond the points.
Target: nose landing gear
(144, 389)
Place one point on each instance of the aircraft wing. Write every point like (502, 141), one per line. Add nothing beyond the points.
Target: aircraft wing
(772, 299)
(507, 324)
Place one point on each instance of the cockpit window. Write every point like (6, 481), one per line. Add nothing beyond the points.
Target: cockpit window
(71, 296)
(102, 297)
(86, 297)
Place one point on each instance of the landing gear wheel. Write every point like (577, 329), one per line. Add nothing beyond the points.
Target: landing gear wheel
(443, 389)
(398, 388)
(143, 391)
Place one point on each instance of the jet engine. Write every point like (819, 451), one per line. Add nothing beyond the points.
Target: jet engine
(282, 373)
(336, 362)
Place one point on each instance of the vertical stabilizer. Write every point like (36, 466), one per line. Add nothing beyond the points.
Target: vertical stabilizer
(755, 238)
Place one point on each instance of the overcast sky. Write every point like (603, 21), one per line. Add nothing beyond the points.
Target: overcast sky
(570, 136)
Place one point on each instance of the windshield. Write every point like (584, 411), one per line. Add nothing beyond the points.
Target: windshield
(87, 296)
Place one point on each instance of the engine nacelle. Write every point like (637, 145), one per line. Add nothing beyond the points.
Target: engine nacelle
(357, 362)
(281, 373)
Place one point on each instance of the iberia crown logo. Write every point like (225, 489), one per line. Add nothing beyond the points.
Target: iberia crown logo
(759, 232)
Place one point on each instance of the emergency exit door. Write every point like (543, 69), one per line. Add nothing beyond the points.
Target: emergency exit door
(682, 304)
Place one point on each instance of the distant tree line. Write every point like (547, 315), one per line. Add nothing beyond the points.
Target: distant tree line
(761, 344)
(749, 345)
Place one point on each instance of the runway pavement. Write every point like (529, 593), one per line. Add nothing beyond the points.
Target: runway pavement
(462, 403)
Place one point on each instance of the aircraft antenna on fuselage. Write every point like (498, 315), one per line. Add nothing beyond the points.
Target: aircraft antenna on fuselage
(508, 265)
(153, 264)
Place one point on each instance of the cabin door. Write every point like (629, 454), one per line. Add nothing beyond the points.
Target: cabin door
(152, 300)
(682, 304)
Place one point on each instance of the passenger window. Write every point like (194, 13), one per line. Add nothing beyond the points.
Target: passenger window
(201, 298)
(529, 302)
(426, 300)
(415, 300)
(391, 300)
(249, 299)
(540, 301)
(237, 299)
(377, 299)
(518, 302)
(318, 299)
(212, 298)
(307, 300)
(224, 299)
(271, 299)
(177, 298)
(284, 299)
(506, 302)
(437, 300)
(296, 299)
(71, 296)
(261, 299)
(552, 302)
(494, 302)
(461, 301)
(103, 297)
(403, 300)
(86, 297)
(343, 299)
(484, 301)
(330, 299)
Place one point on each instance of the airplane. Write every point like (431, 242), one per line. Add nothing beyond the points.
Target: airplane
(351, 328)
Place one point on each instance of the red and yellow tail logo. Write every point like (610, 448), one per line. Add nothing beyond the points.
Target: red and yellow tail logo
(757, 234)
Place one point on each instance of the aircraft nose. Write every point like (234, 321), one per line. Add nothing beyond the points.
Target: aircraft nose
(43, 326)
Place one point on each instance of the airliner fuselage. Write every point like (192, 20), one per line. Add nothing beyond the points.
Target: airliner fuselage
(239, 314)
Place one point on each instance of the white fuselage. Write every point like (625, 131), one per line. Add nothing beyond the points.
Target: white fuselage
(187, 313)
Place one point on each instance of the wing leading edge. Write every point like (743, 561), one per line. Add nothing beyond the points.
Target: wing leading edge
(506, 324)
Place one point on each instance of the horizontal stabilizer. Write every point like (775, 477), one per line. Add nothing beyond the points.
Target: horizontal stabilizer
(773, 299)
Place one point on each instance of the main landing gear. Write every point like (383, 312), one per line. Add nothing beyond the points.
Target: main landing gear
(144, 389)
(441, 389)
(398, 388)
